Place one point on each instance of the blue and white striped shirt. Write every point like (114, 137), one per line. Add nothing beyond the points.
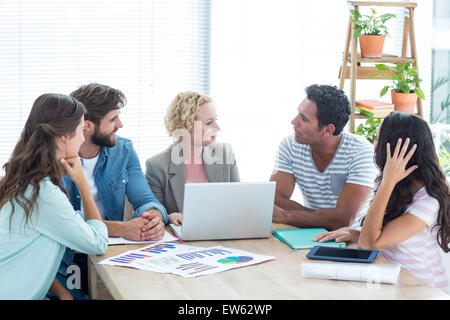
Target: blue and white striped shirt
(352, 163)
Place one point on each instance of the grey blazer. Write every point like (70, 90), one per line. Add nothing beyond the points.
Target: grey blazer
(166, 175)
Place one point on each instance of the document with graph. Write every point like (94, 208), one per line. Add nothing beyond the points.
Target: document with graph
(184, 260)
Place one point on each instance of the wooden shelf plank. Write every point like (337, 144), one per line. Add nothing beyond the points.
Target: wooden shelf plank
(363, 116)
(395, 60)
(383, 4)
(363, 73)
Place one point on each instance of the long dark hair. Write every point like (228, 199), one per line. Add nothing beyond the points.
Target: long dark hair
(402, 125)
(34, 156)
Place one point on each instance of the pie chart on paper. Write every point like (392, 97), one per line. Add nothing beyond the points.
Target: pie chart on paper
(234, 260)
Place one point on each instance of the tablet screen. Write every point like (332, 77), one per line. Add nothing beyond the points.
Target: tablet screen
(348, 253)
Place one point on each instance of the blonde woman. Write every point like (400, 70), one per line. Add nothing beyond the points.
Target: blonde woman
(194, 157)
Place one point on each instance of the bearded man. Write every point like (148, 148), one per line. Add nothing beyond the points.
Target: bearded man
(113, 171)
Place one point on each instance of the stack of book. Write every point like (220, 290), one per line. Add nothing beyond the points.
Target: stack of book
(374, 108)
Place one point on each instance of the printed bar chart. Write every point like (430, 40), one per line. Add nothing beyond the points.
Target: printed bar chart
(184, 260)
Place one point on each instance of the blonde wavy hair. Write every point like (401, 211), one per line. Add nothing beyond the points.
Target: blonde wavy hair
(183, 110)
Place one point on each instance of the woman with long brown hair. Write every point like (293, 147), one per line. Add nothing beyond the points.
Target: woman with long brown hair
(409, 217)
(37, 221)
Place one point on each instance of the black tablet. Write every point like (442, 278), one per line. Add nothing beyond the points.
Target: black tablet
(342, 254)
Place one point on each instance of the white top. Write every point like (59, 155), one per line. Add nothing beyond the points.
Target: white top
(88, 168)
(420, 254)
(352, 163)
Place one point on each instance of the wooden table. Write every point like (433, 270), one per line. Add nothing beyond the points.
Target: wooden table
(272, 280)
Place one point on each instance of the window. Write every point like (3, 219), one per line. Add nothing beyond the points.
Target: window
(440, 99)
(254, 58)
(150, 50)
(440, 94)
(264, 54)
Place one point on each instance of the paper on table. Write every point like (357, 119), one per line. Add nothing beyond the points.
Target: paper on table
(206, 261)
(119, 240)
(184, 260)
(139, 258)
(375, 273)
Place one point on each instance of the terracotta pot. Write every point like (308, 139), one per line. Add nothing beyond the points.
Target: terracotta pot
(371, 45)
(404, 102)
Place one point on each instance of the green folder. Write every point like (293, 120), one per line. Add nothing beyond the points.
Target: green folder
(301, 238)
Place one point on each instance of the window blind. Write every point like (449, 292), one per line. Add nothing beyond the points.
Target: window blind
(253, 57)
(150, 50)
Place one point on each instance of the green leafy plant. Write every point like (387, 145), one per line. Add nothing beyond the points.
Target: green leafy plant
(444, 153)
(403, 76)
(444, 160)
(445, 104)
(369, 129)
(370, 24)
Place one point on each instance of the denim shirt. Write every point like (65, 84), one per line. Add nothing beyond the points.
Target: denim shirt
(116, 174)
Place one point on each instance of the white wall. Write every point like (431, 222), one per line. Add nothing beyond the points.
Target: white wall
(264, 53)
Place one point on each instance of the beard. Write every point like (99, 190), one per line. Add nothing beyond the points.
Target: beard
(102, 139)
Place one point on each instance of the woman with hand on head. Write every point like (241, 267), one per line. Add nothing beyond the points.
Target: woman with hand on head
(194, 157)
(37, 221)
(409, 217)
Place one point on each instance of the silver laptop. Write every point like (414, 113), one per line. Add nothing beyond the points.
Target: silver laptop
(227, 210)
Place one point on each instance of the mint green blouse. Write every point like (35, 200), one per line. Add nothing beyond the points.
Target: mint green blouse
(30, 254)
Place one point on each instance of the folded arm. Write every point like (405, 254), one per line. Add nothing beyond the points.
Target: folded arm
(349, 202)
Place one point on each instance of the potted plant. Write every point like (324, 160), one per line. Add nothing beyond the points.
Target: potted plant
(371, 31)
(369, 129)
(404, 87)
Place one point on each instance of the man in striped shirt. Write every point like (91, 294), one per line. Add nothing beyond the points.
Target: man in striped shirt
(334, 170)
